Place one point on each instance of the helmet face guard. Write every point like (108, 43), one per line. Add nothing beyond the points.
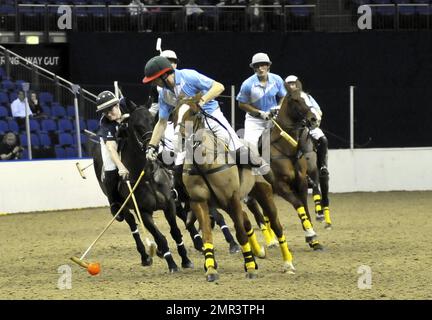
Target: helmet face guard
(156, 67)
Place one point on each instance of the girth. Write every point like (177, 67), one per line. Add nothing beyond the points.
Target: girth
(194, 171)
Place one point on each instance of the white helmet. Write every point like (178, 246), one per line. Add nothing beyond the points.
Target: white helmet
(169, 54)
(260, 57)
(291, 78)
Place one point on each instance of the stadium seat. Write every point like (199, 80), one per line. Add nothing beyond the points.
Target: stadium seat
(70, 111)
(46, 110)
(65, 139)
(4, 98)
(58, 111)
(4, 128)
(71, 152)
(64, 125)
(33, 137)
(8, 85)
(81, 123)
(34, 125)
(2, 73)
(92, 124)
(83, 136)
(4, 112)
(45, 140)
(12, 96)
(45, 98)
(49, 125)
(60, 152)
(18, 84)
(13, 125)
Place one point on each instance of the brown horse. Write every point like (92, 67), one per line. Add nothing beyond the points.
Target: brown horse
(211, 178)
(289, 169)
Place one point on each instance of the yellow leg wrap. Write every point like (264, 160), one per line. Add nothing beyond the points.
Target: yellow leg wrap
(304, 218)
(256, 248)
(209, 255)
(249, 263)
(317, 197)
(327, 215)
(267, 234)
(286, 254)
(267, 223)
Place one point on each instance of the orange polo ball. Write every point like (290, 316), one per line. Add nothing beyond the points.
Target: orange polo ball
(93, 268)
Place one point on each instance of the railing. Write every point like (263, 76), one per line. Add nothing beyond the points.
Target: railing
(33, 78)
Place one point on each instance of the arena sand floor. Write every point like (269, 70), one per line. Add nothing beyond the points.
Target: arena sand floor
(390, 232)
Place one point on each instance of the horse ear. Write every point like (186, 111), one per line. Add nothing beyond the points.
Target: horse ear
(128, 104)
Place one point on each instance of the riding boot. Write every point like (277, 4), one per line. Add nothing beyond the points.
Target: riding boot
(322, 155)
(111, 185)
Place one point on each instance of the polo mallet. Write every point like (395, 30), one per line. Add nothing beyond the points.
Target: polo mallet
(285, 135)
(159, 45)
(81, 170)
(87, 265)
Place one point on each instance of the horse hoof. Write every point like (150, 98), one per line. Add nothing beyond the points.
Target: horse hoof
(316, 246)
(328, 226)
(252, 274)
(288, 268)
(174, 269)
(319, 217)
(212, 277)
(234, 248)
(147, 262)
(273, 244)
(187, 265)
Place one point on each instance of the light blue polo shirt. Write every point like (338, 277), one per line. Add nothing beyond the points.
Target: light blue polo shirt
(187, 84)
(259, 96)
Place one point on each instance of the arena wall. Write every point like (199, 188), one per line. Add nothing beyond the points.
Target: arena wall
(29, 186)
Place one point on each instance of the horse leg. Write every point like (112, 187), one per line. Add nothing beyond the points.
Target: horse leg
(146, 260)
(161, 241)
(195, 236)
(285, 191)
(220, 221)
(237, 215)
(264, 195)
(262, 221)
(201, 211)
(316, 193)
(324, 183)
(169, 213)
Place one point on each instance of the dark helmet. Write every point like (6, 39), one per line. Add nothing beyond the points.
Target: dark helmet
(105, 100)
(156, 67)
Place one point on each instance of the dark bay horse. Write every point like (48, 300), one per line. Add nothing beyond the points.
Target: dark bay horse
(218, 182)
(154, 191)
(288, 168)
(319, 187)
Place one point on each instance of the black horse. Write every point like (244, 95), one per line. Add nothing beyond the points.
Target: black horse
(154, 191)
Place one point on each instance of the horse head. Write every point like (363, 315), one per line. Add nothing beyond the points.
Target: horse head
(294, 111)
(140, 126)
(187, 110)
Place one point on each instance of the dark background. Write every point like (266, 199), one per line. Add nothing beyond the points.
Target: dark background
(392, 73)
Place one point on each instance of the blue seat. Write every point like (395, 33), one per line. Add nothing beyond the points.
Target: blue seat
(92, 124)
(46, 97)
(71, 152)
(70, 111)
(81, 123)
(12, 96)
(33, 137)
(65, 139)
(60, 152)
(4, 127)
(49, 125)
(83, 136)
(2, 73)
(45, 140)
(4, 98)
(34, 125)
(64, 125)
(18, 84)
(46, 110)
(4, 112)
(58, 111)
(13, 125)
(8, 85)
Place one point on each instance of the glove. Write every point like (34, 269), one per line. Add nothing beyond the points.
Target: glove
(123, 173)
(316, 119)
(151, 152)
(264, 115)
